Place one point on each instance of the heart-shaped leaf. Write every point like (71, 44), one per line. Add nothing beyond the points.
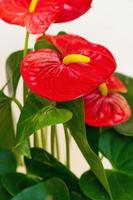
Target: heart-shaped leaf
(8, 162)
(76, 196)
(121, 186)
(53, 189)
(7, 136)
(16, 182)
(44, 165)
(118, 149)
(92, 188)
(43, 43)
(12, 70)
(127, 127)
(4, 195)
(37, 113)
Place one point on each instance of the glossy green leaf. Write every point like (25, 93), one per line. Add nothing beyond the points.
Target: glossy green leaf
(92, 188)
(92, 134)
(77, 128)
(32, 105)
(118, 149)
(127, 127)
(13, 70)
(14, 183)
(121, 186)
(35, 115)
(44, 165)
(4, 195)
(41, 44)
(62, 33)
(8, 162)
(77, 196)
(44, 117)
(7, 136)
(53, 189)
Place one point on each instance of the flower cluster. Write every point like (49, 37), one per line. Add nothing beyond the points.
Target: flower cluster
(75, 67)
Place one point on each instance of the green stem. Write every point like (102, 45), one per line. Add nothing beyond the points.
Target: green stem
(17, 102)
(44, 137)
(67, 139)
(53, 137)
(25, 90)
(57, 145)
(26, 44)
(36, 140)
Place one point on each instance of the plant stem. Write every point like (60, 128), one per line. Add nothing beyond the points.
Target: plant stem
(54, 142)
(17, 102)
(26, 44)
(57, 145)
(25, 90)
(53, 134)
(44, 137)
(36, 139)
(67, 139)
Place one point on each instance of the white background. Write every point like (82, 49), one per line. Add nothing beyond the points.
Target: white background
(109, 22)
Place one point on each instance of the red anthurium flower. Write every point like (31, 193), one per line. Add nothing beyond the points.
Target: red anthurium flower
(37, 15)
(114, 84)
(72, 9)
(109, 109)
(76, 69)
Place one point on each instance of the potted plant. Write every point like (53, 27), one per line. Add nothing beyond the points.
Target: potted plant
(70, 81)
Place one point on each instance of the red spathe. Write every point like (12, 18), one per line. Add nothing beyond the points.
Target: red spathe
(46, 12)
(114, 84)
(102, 111)
(45, 74)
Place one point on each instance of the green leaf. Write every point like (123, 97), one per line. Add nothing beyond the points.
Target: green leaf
(127, 127)
(77, 129)
(4, 195)
(121, 186)
(7, 136)
(92, 134)
(62, 33)
(92, 188)
(36, 115)
(42, 44)
(44, 117)
(77, 196)
(14, 183)
(53, 189)
(13, 70)
(8, 162)
(44, 165)
(118, 149)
